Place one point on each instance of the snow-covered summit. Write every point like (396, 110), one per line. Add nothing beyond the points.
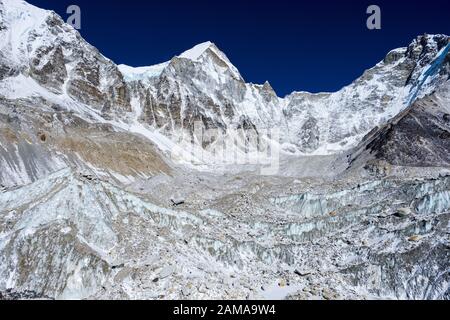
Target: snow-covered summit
(205, 51)
(196, 52)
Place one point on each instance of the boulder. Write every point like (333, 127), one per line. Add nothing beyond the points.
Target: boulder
(177, 201)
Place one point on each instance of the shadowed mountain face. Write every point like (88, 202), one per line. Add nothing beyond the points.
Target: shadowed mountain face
(419, 136)
(95, 203)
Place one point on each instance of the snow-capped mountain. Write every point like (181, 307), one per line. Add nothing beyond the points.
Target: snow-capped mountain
(38, 48)
(201, 86)
(99, 198)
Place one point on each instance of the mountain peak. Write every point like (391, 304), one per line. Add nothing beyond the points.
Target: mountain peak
(197, 51)
(209, 49)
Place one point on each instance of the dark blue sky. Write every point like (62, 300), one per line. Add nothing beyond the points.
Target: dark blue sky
(311, 45)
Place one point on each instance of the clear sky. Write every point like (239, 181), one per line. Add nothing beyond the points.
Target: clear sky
(296, 45)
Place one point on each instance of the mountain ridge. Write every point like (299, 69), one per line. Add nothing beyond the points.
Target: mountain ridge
(201, 87)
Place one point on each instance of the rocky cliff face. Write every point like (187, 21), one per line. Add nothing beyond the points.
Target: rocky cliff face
(359, 207)
(417, 137)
